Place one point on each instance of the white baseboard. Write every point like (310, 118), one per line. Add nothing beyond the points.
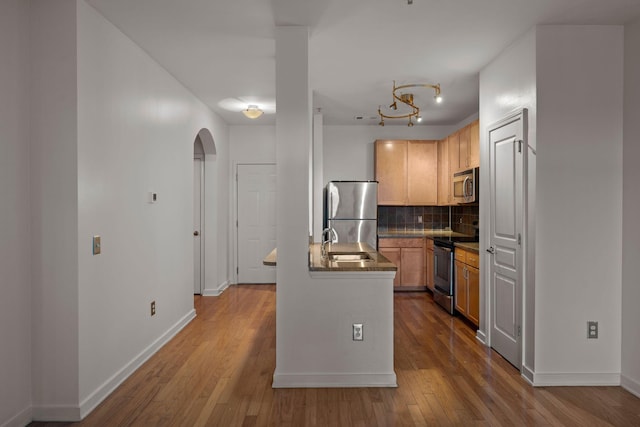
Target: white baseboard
(57, 413)
(480, 336)
(631, 385)
(334, 380)
(576, 379)
(527, 374)
(209, 292)
(21, 419)
(95, 398)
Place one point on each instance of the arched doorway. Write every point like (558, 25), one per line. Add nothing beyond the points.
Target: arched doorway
(203, 146)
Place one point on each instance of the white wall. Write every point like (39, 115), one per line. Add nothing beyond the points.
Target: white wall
(252, 144)
(631, 212)
(54, 207)
(15, 304)
(578, 203)
(247, 145)
(138, 138)
(507, 84)
(108, 126)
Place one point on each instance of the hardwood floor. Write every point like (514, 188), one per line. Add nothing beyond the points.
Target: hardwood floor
(218, 372)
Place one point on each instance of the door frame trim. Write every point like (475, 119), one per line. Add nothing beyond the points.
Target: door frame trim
(484, 334)
(201, 157)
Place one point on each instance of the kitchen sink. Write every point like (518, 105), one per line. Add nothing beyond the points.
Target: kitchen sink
(349, 256)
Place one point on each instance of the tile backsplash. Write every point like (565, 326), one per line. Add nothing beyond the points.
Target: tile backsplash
(464, 219)
(406, 217)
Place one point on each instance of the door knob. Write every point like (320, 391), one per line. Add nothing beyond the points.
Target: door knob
(491, 250)
(196, 233)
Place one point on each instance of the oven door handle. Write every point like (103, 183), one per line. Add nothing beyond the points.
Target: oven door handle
(435, 265)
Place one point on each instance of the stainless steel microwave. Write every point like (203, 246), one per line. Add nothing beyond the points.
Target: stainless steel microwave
(466, 186)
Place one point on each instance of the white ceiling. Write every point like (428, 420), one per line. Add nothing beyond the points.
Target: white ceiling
(224, 50)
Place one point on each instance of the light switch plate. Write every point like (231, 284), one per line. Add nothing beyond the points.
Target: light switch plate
(96, 245)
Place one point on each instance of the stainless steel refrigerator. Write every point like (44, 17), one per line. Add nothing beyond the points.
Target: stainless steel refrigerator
(351, 209)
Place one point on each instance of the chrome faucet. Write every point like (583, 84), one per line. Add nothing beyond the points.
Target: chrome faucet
(331, 239)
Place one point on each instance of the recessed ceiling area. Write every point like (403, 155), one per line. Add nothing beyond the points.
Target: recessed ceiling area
(224, 52)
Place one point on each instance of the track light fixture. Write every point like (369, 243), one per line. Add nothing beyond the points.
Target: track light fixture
(407, 99)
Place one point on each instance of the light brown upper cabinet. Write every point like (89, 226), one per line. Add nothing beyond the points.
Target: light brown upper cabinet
(453, 141)
(391, 172)
(474, 145)
(422, 177)
(407, 172)
(444, 177)
(464, 148)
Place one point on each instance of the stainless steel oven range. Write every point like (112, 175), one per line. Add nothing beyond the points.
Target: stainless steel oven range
(444, 271)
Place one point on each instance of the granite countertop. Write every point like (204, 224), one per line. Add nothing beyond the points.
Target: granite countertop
(271, 258)
(469, 246)
(317, 263)
(377, 263)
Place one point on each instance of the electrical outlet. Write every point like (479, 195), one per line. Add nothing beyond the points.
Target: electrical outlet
(357, 332)
(153, 308)
(592, 329)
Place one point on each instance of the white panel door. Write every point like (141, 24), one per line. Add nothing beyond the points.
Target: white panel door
(198, 170)
(256, 222)
(506, 163)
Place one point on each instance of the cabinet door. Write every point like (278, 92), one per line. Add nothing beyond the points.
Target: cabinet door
(393, 255)
(422, 175)
(460, 290)
(474, 145)
(473, 300)
(444, 178)
(463, 147)
(413, 271)
(391, 172)
(430, 269)
(454, 152)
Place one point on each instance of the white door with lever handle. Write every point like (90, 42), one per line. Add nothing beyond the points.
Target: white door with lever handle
(505, 283)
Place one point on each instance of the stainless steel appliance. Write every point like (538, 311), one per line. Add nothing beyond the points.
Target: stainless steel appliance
(351, 209)
(466, 186)
(444, 272)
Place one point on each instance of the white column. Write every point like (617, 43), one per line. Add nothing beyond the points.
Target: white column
(293, 139)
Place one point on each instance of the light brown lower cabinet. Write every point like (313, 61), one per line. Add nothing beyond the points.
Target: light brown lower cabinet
(467, 285)
(430, 267)
(408, 254)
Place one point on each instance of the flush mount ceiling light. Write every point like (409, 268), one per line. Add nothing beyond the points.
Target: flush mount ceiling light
(252, 112)
(406, 99)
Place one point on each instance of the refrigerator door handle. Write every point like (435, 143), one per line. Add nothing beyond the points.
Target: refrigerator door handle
(330, 213)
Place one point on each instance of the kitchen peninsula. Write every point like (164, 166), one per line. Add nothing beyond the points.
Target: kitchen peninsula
(348, 303)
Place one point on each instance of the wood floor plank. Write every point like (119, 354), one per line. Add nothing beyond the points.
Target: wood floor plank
(218, 372)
